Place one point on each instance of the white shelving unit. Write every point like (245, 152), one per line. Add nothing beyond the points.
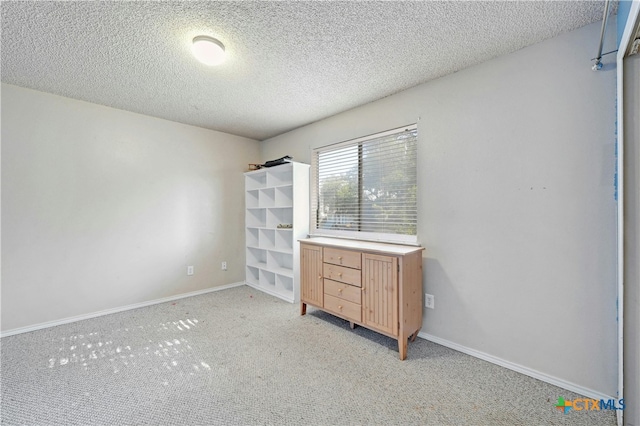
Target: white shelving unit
(276, 196)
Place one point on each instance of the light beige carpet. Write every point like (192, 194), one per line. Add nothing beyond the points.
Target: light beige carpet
(240, 357)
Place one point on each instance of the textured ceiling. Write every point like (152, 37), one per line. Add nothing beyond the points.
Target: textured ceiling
(290, 63)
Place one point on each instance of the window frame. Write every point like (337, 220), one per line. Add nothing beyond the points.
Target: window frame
(357, 235)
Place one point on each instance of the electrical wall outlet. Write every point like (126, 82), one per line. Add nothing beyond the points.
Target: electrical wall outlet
(190, 270)
(224, 266)
(429, 301)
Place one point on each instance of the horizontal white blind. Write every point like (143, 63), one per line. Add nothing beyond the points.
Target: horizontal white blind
(367, 187)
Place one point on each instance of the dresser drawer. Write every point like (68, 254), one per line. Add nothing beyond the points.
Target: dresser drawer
(346, 309)
(342, 274)
(343, 291)
(348, 258)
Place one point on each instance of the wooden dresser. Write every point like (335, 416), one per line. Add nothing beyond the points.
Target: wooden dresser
(375, 285)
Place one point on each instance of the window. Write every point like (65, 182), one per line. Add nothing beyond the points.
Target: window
(366, 188)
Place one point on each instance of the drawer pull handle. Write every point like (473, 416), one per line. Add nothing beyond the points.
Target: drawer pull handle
(339, 257)
(340, 307)
(339, 290)
(319, 276)
(339, 274)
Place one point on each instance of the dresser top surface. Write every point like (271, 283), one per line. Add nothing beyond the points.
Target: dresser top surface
(368, 246)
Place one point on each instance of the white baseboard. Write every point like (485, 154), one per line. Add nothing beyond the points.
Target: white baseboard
(589, 393)
(115, 310)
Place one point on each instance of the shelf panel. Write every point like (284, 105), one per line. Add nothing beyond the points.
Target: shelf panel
(259, 266)
(280, 271)
(286, 251)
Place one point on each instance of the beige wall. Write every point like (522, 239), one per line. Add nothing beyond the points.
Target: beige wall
(516, 205)
(103, 208)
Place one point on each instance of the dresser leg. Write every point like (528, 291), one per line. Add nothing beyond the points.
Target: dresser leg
(402, 348)
(303, 308)
(352, 325)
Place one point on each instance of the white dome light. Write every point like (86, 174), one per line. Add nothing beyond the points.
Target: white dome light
(208, 50)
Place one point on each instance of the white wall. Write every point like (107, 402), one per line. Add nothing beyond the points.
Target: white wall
(103, 208)
(516, 204)
(632, 240)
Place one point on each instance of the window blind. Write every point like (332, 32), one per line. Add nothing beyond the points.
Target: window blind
(366, 188)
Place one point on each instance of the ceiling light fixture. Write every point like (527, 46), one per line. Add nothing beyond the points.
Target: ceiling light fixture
(208, 50)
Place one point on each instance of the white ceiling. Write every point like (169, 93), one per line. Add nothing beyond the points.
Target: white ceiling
(290, 63)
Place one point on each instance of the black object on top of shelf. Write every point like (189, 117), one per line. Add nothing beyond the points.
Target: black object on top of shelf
(283, 160)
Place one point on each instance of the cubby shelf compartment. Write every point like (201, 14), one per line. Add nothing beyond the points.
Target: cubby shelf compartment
(256, 257)
(267, 278)
(252, 235)
(267, 238)
(284, 283)
(284, 196)
(253, 275)
(252, 199)
(276, 260)
(267, 197)
(277, 215)
(284, 240)
(255, 181)
(280, 176)
(256, 218)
